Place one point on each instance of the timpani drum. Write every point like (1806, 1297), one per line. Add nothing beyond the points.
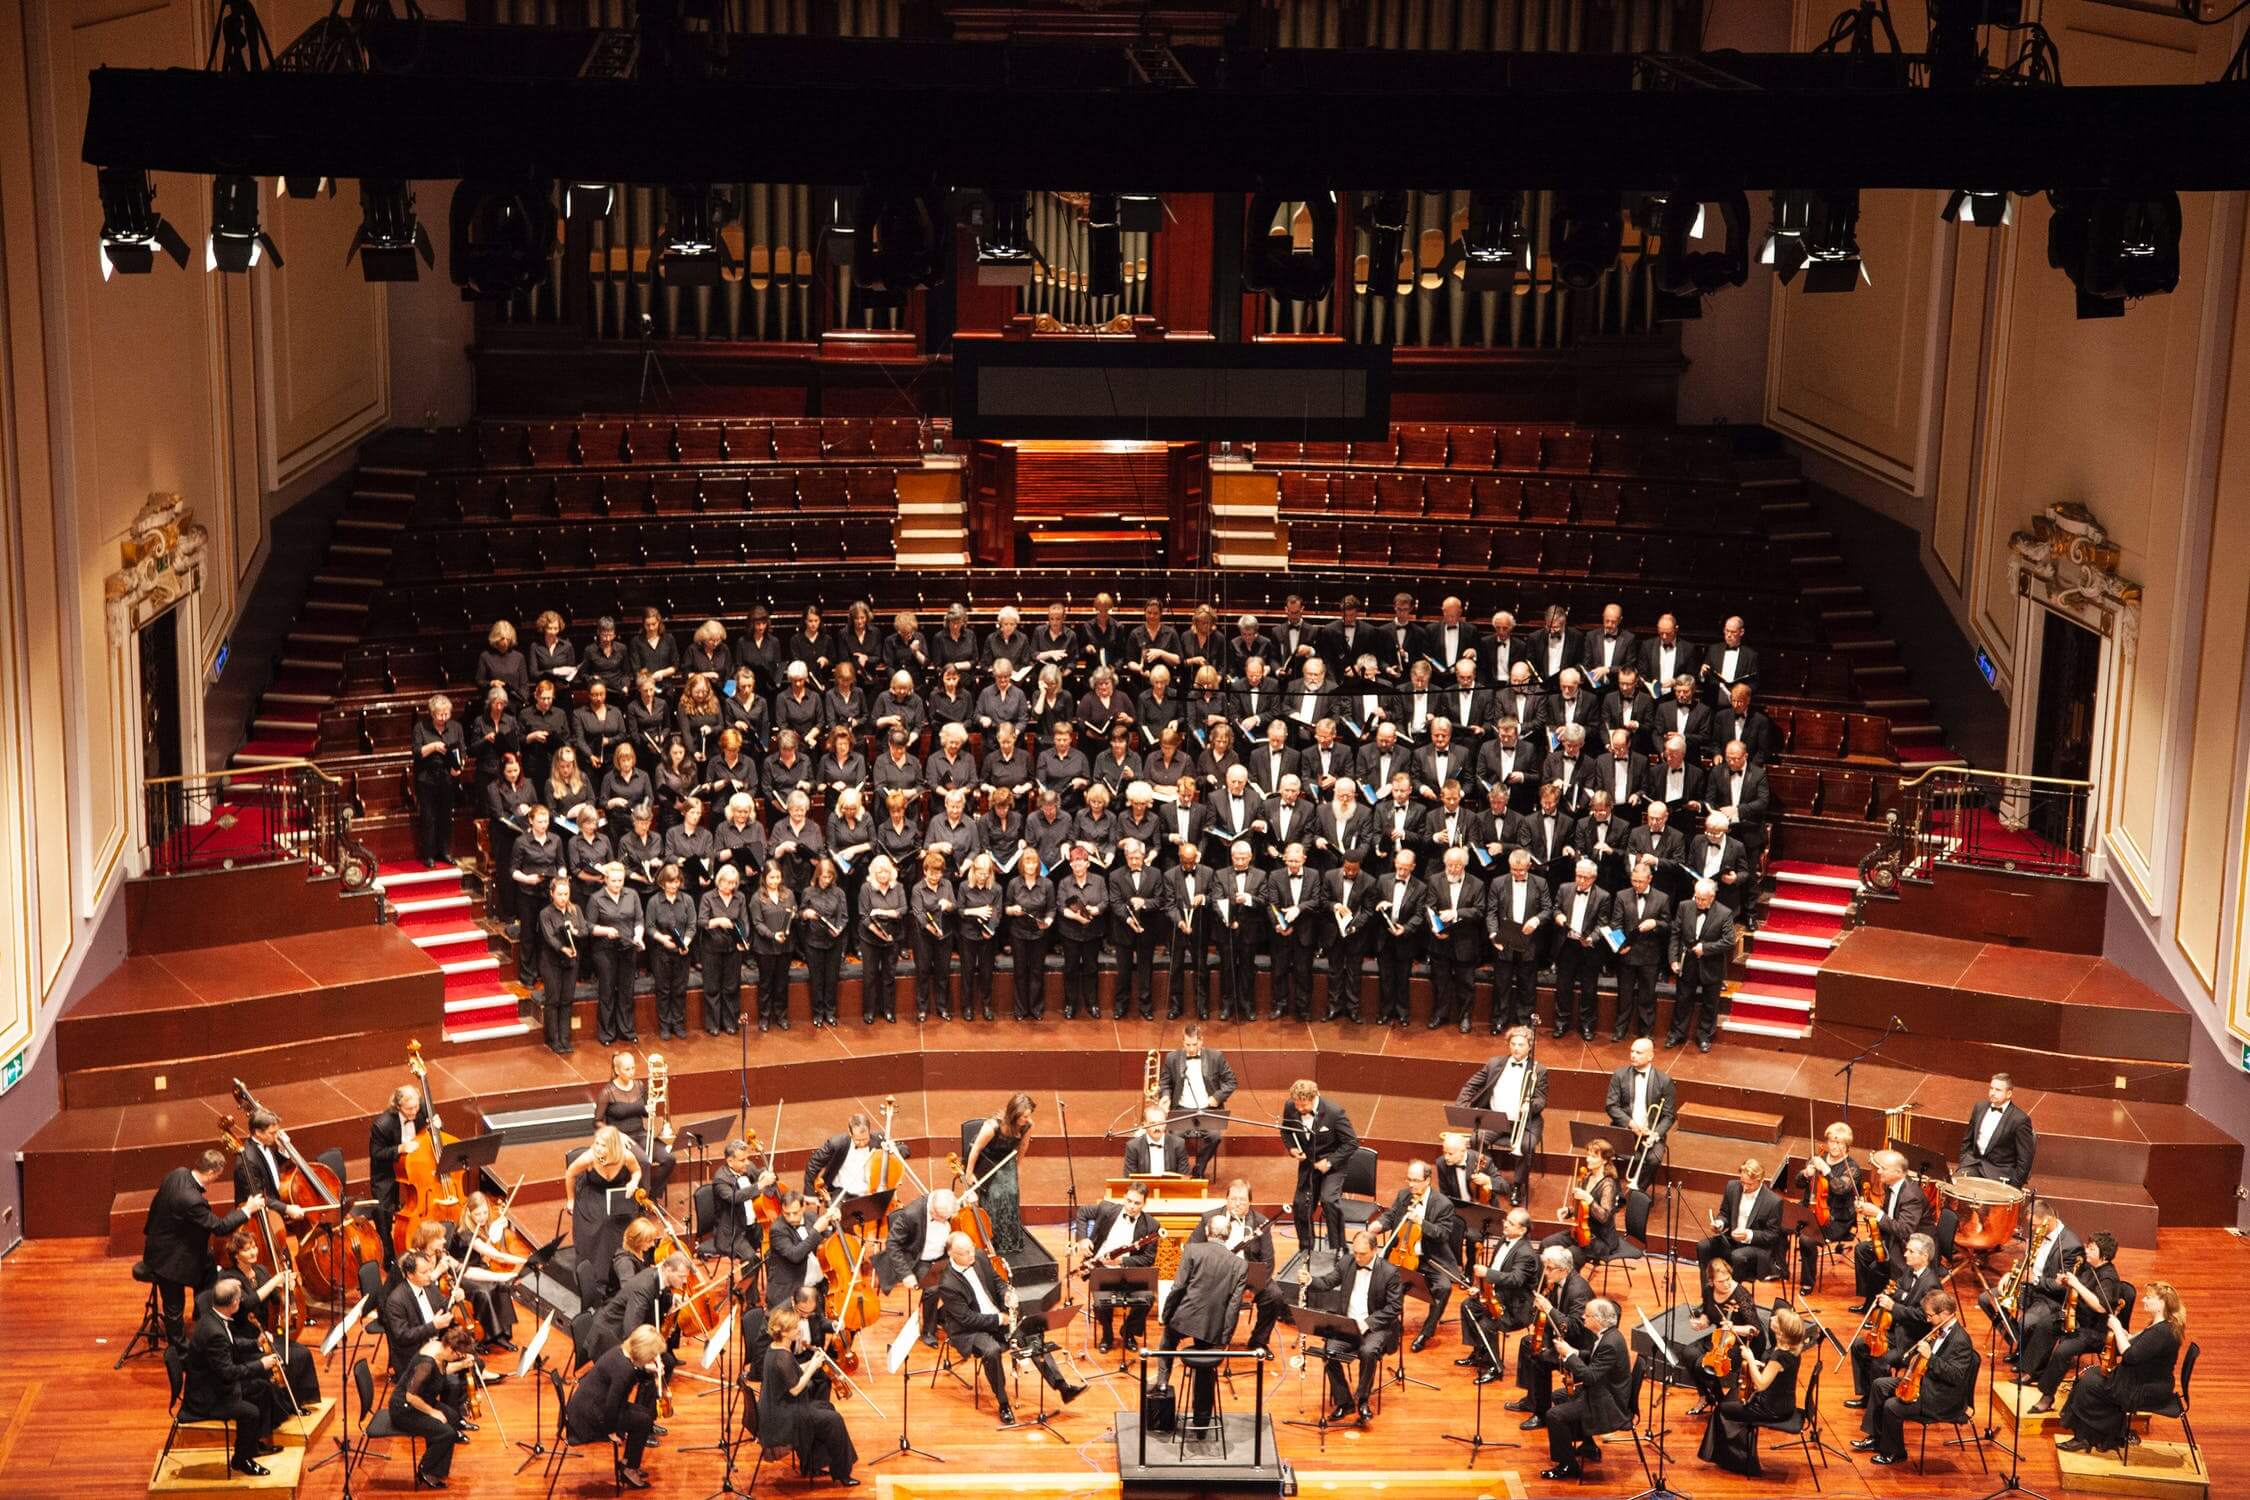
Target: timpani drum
(1988, 1211)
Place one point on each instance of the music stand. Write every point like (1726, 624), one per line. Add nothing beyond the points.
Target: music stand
(702, 1132)
(1477, 1442)
(896, 1361)
(473, 1154)
(1043, 1322)
(869, 1208)
(1485, 1221)
(1120, 1282)
(1319, 1325)
(1416, 1284)
(528, 1362)
(1930, 1166)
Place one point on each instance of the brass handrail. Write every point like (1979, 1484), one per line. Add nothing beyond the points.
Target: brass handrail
(280, 765)
(1995, 776)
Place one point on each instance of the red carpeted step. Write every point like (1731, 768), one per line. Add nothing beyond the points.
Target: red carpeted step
(301, 681)
(1802, 923)
(276, 747)
(1814, 871)
(1927, 755)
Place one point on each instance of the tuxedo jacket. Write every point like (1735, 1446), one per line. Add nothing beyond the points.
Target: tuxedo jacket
(2014, 1145)
(1206, 1296)
(1331, 1139)
(1500, 921)
(1386, 1294)
(1464, 937)
(176, 1236)
(1477, 1092)
(1137, 1157)
(1617, 1103)
(1715, 933)
(1218, 1078)
(1765, 1216)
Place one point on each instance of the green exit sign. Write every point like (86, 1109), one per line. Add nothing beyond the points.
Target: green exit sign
(11, 1071)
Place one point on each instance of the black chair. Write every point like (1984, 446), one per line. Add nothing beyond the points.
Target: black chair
(1631, 1427)
(565, 1447)
(150, 1337)
(1804, 1425)
(1359, 1203)
(175, 1376)
(1965, 1432)
(1631, 1247)
(1948, 1225)
(2174, 1406)
(705, 1202)
(375, 1424)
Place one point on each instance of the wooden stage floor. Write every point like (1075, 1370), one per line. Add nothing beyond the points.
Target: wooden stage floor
(70, 1426)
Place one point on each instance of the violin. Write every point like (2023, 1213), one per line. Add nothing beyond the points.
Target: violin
(1877, 1335)
(1404, 1249)
(1816, 1197)
(1869, 1208)
(1909, 1387)
(1579, 1213)
(423, 1191)
(1720, 1359)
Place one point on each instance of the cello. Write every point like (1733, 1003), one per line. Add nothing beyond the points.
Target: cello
(272, 1230)
(423, 1191)
(973, 1220)
(328, 1254)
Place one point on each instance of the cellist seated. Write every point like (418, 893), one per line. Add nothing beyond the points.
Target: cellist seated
(1420, 1212)
(977, 1311)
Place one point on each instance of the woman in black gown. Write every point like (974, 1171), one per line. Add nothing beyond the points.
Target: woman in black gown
(597, 1219)
(623, 1102)
(794, 1410)
(2100, 1405)
(419, 1406)
(262, 1294)
(1731, 1441)
(993, 1157)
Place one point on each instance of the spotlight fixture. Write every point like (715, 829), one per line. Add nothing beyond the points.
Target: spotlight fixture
(501, 236)
(899, 243)
(1105, 246)
(689, 250)
(1294, 259)
(1140, 213)
(2115, 246)
(390, 235)
(1987, 208)
(1684, 276)
(1816, 233)
(1385, 214)
(1585, 238)
(237, 238)
(132, 230)
(308, 187)
(591, 200)
(1005, 253)
(1495, 246)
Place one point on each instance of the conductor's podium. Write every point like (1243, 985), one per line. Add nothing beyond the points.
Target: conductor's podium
(197, 1463)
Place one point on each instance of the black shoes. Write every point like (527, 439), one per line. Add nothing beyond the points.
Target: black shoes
(1422, 1340)
(1486, 1377)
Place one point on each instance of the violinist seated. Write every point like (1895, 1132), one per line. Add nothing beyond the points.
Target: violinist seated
(223, 1381)
(757, 1336)
(914, 1243)
(1731, 1439)
(475, 1244)
(264, 1290)
(1947, 1361)
(976, 1309)
(1897, 1211)
(1831, 1180)
(260, 1166)
(616, 1398)
(2096, 1293)
(1365, 1288)
(1558, 1302)
(431, 1240)
(1419, 1206)
(1153, 1150)
(176, 1238)
(740, 1192)
(636, 1250)
(421, 1405)
(1510, 1270)
(2103, 1399)
(648, 1297)
(1249, 1234)
(1602, 1364)
(1746, 1229)
(1907, 1305)
(2030, 1328)
(1729, 1311)
(414, 1310)
(1595, 1197)
(1466, 1175)
(1120, 1234)
(795, 1409)
(624, 1102)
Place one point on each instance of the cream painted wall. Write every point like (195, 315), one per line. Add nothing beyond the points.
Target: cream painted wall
(1961, 391)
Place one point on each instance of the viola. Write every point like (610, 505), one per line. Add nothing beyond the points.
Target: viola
(1816, 1197)
(423, 1191)
(1720, 1359)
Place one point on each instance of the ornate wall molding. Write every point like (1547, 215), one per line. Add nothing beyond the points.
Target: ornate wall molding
(162, 563)
(2067, 563)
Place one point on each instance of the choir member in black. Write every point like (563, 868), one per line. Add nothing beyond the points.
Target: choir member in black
(671, 924)
(1898, 1210)
(1117, 767)
(851, 839)
(789, 769)
(1350, 896)
(844, 707)
(648, 717)
(897, 716)
(2093, 1297)
(1457, 939)
(1136, 926)
(701, 718)
(1596, 1194)
(630, 796)
(609, 1401)
(1081, 905)
(501, 664)
(509, 798)
(1401, 904)
(1835, 1176)
(1194, 1078)
(1731, 1441)
(1515, 908)
(1746, 1226)
(794, 1409)
(560, 938)
(439, 752)
(653, 650)
(929, 906)
(882, 925)
(731, 771)
(419, 1404)
(1119, 1233)
(953, 832)
(1030, 907)
(1906, 1303)
(1319, 1135)
(600, 1182)
(1514, 1084)
(1297, 918)
(1512, 1267)
(797, 716)
(1602, 1364)
(599, 730)
(1641, 917)
(493, 736)
(980, 898)
(1998, 1142)
(710, 656)
(977, 1310)
(1188, 908)
(773, 917)
(604, 661)
(823, 921)
(1239, 906)
(1008, 762)
(1642, 1098)
(1155, 1149)
(949, 704)
(795, 841)
(897, 769)
(176, 1236)
(1249, 1234)
(221, 1380)
(1730, 1305)
(615, 926)
(534, 860)
(2030, 1326)
(2102, 1401)
(586, 852)
(623, 1102)
(739, 842)
(1580, 910)
(552, 655)
(1949, 1384)
(739, 1187)
(544, 726)
(1365, 1288)
(389, 1135)
(260, 1311)
(724, 915)
(1702, 947)
(1420, 1202)
(841, 768)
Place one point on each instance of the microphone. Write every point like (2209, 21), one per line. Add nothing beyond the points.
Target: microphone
(1897, 1023)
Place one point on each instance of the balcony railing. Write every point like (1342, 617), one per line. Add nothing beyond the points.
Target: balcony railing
(263, 815)
(1991, 820)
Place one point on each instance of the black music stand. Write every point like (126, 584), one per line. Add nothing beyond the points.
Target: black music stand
(472, 1154)
(1477, 1442)
(1416, 1284)
(869, 1208)
(1669, 1371)
(1120, 1282)
(1043, 1322)
(1485, 1221)
(1319, 1326)
(906, 1374)
(703, 1132)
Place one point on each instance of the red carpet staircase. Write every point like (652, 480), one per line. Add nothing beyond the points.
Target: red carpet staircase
(439, 912)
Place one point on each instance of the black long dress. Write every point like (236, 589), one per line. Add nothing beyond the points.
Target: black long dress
(2098, 1406)
(627, 1109)
(808, 1423)
(1731, 1441)
(595, 1230)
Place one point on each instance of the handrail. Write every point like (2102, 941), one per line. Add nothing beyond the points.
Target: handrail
(2070, 781)
(1998, 820)
(186, 777)
(287, 810)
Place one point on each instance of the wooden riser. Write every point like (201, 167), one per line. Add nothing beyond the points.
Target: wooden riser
(204, 1471)
(2166, 1470)
(297, 1432)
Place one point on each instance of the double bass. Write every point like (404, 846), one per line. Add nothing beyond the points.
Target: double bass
(272, 1230)
(423, 1191)
(326, 1254)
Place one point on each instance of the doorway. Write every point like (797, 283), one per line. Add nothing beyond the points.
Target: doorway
(2067, 711)
(163, 755)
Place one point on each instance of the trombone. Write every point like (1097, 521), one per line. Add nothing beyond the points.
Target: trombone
(1640, 1152)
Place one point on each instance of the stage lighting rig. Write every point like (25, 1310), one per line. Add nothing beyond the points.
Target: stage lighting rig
(132, 230)
(1987, 208)
(1388, 272)
(1816, 233)
(237, 239)
(2115, 247)
(390, 234)
(501, 236)
(1684, 277)
(1005, 252)
(689, 249)
(1283, 260)
(1495, 244)
(589, 200)
(1585, 238)
(900, 241)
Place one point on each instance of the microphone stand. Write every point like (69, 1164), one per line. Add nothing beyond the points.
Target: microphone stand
(2013, 1484)
(1660, 1487)
(731, 1376)
(1894, 1028)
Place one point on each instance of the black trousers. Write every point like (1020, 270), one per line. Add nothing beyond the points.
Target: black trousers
(1636, 999)
(613, 992)
(933, 975)
(823, 966)
(669, 971)
(172, 1297)
(1292, 978)
(1238, 974)
(1568, 1425)
(633, 1426)
(1369, 1351)
(1323, 1191)
(437, 1438)
(2068, 1347)
(878, 980)
(433, 817)
(1696, 999)
(1027, 957)
(978, 956)
(1748, 1261)
(1136, 1315)
(1082, 976)
(1578, 987)
(246, 1411)
(499, 898)
(722, 984)
(1453, 982)
(529, 900)
(1203, 1378)
(1515, 989)
(1347, 973)
(1135, 983)
(1485, 1335)
(558, 984)
(773, 987)
(1394, 976)
(1872, 1270)
(1190, 968)
(1202, 1151)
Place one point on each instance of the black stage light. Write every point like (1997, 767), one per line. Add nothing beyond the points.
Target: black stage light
(689, 250)
(1585, 238)
(308, 187)
(1987, 209)
(591, 200)
(1495, 246)
(1105, 246)
(1140, 213)
(390, 235)
(1385, 214)
(132, 230)
(2115, 246)
(502, 234)
(237, 238)
(1005, 253)
(1816, 233)
(1684, 276)
(902, 239)
(1273, 263)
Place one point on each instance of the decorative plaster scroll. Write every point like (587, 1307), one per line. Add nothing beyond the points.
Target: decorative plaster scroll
(2067, 562)
(161, 561)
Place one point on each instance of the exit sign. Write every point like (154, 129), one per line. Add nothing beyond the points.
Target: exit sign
(11, 1071)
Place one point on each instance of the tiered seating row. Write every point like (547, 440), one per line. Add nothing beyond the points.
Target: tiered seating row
(1541, 551)
(483, 498)
(1528, 449)
(549, 552)
(596, 441)
(1607, 504)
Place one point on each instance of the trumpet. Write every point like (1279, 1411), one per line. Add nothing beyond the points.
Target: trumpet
(659, 1098)
(1152, 1071)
